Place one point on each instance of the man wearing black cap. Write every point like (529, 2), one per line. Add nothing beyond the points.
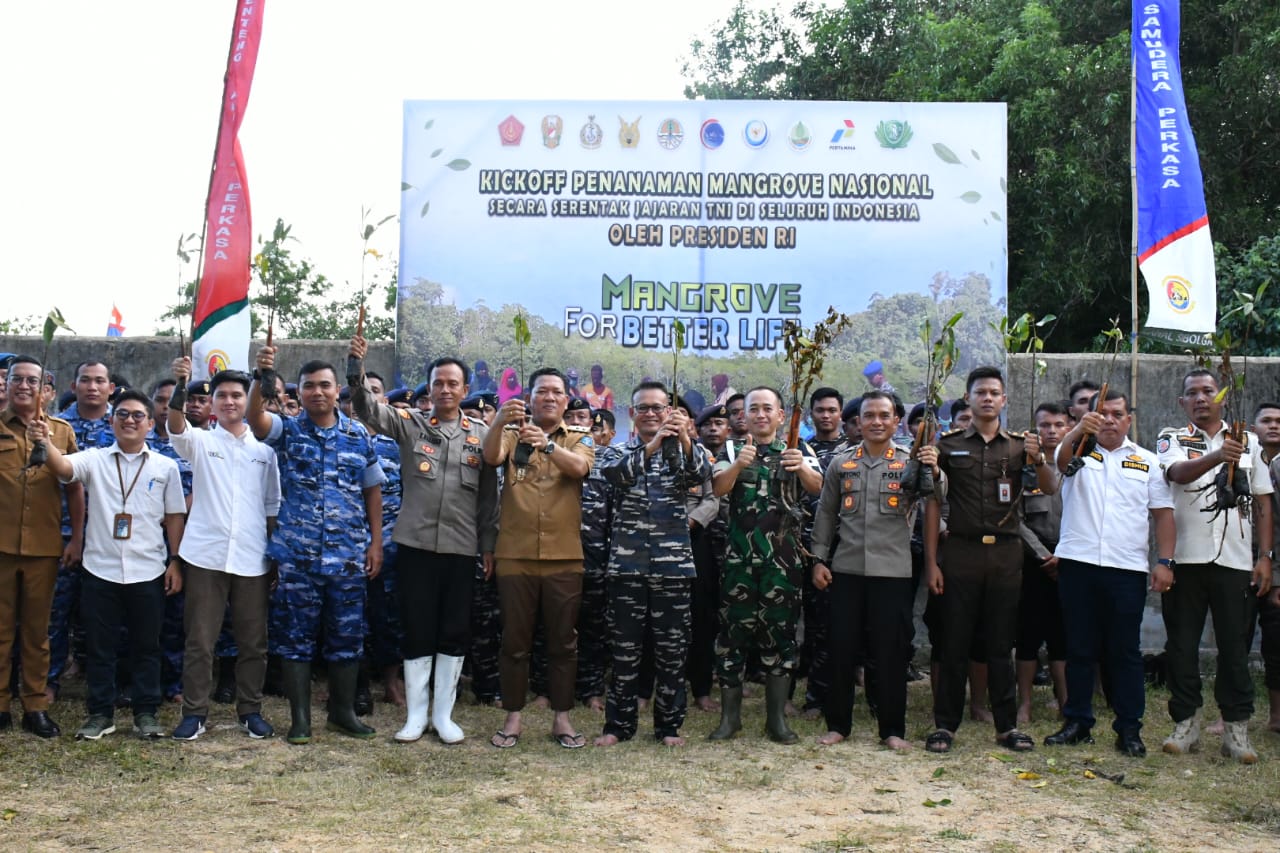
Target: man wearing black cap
(578, 414)
(199, 405)
(708, 536)
(849, 422)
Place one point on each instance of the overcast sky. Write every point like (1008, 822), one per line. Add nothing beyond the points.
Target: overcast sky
(111, 112)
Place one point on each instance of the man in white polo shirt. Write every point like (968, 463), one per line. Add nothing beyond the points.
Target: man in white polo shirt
(135, 500)
(1216, 567)
(235, 498)
(1102, 570)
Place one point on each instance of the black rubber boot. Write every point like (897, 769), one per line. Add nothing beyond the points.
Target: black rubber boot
(225, 692)
(364, 696)
(296, 678)
(342, 697)
(776, 688)
(730, 713)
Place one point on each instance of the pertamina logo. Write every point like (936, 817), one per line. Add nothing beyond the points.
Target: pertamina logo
(842, 139)
(1178, 291)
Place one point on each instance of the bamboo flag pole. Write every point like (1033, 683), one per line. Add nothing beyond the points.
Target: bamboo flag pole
(1133, 252)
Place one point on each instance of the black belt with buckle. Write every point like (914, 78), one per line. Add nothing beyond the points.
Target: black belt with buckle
(989, 538)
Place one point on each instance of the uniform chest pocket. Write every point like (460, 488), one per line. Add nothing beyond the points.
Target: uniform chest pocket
(850, 493)
(1135, 472)
(426, 462)
(351, 467)
(307, 458)
(964, 465)
(891, 500)
(471, 471)
(10, 458)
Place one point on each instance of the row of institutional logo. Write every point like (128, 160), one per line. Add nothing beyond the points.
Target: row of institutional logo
(712, 134)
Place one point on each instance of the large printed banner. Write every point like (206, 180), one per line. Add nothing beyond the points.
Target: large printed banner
(605, 222)
(1175, 249)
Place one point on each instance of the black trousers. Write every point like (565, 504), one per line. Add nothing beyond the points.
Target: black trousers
(981, 586)
(435, 602)
(875, 612)
(105, 609)
(1202, 589)
(1039, 614)
(708, 554)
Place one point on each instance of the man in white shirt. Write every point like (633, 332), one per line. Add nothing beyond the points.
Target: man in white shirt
(135, 501)
(1217, 569)
(1102, 570)
(235, 498)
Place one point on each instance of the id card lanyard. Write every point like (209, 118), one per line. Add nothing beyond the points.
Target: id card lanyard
(122, 526)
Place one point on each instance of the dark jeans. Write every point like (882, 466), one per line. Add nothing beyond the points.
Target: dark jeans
(1102, 611)
(1201, 589)
(1039, 614)
(980, 596)
(877, 611)
(1269, 622)
(105, 608)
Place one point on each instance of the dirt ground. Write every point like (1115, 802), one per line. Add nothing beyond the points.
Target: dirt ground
(225, 792)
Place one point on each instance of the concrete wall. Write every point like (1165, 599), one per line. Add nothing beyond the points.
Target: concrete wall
(144, 360)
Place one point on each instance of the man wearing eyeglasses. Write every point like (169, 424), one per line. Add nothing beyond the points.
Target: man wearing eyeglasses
(136, 503)
(651, 571)
(30, 544)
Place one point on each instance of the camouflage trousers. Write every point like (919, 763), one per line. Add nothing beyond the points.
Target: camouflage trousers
(659, 609)
(486, 637)
(63, 621)
(815, 656)
(384, 632)
(759, 605)
(304, 601)
(173, 644)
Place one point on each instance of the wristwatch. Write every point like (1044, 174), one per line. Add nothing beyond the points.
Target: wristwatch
(1168, 562)
(549, 448)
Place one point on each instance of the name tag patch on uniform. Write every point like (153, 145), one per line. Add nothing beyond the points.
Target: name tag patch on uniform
(471, 439)
(1137, 466)
(849, 465)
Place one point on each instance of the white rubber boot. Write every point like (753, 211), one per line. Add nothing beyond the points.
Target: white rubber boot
(448, 669)
(417, 675)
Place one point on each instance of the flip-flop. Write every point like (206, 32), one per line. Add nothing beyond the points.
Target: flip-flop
(939, 741)
(570, 741)
(503, 740)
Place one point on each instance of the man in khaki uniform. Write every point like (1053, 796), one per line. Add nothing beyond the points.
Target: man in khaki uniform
(30, 544)
(539, 551)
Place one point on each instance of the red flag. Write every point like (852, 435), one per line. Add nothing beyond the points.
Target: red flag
(116, 327)
(220, 330)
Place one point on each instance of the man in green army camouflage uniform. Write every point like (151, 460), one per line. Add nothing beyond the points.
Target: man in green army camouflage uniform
(760, 592)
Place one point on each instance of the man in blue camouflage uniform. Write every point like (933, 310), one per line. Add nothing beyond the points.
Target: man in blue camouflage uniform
(651, 562)
(327, 542)
(172, 637)
(597, 520)
(766, 482)
(90, 419)
(384, 631)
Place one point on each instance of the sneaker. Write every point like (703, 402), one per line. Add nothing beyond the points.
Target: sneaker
(1235, 743)
(147, 726)
(1185, 737)
(190, 728)
(95, 727)
(256, 727)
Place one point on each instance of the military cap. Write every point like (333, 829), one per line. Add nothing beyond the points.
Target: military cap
(5, 358)
(399, 395)
(681, 403)
(603, 416)
(421, 390)
(872, 368)
(198, 386)
(851, 409)
(917, 411)
(577, 404)
(721, 411)
(345, 393)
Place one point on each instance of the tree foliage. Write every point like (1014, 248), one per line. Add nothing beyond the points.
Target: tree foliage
(1063, 68)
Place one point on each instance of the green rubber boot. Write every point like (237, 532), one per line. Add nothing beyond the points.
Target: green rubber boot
(730, 713)
(296, 676)
(776, 688)
(342, 699)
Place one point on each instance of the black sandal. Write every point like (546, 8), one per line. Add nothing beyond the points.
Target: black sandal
(939, 742)
(1016, 741)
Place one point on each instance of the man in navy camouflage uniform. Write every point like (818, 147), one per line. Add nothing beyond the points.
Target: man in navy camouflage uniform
(651, 562)
(597, 509)
(90, 419)
(709, 538)
(327, 542)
